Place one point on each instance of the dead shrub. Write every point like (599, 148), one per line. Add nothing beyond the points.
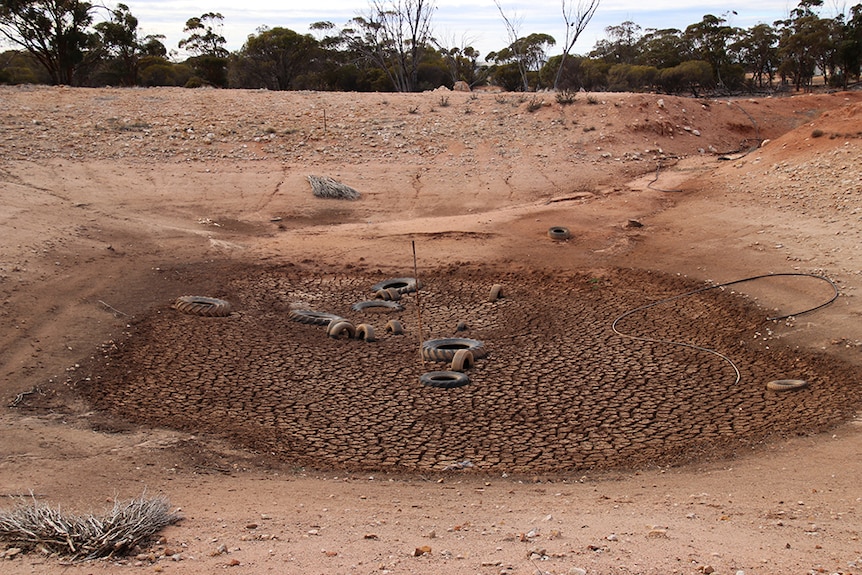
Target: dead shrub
(326, 187)
(32, 525)
(566, 97)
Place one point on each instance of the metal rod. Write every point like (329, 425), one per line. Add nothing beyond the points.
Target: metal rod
(418, 304)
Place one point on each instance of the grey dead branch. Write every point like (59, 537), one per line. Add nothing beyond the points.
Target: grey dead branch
(36, 526)
(326, 187)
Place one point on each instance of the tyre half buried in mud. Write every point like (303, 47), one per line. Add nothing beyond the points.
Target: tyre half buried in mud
(444, 379)
(202, 306)
(444, 349)
(314, 317)
(401, 285)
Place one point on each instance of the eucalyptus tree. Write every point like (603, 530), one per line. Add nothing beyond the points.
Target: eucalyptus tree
(275, 59)
(757, 50)
(55, 32)
(528, 54)
(393, 35)
(206, 44)
(123, 47)
(621, 45)
(709, 40)
(663, 48)
(463, 64)
(849, 50)
(803, 38)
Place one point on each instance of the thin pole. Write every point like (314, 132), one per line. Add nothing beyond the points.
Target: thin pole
(418, 304)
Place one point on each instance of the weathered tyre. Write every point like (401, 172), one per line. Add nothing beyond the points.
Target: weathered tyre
(338, 328)
(463, 360)
(401, 285)
(559, 233)
(496, 292)
(445, 349)
(394, 327)
(786, 384)
(390, 294)
(377, 305)
(203, 306)
(314, 317)
(444, 379)
(365, 331)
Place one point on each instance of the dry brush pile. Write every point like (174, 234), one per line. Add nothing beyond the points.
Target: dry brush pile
(34, 525)
(558, 392)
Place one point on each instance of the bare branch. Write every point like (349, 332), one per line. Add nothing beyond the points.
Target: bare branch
(576, 18)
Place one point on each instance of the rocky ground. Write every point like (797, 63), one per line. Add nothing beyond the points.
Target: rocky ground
(292, 452)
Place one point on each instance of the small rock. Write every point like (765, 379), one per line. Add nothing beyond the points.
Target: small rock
(424, 550)
(612, 537)
(576, 571)
(657, 533)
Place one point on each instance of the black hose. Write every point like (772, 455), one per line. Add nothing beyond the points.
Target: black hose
(718, 286)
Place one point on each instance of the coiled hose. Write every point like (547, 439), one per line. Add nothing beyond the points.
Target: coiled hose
(718, 286)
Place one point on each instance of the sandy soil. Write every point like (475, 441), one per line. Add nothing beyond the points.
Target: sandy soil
(115, 202)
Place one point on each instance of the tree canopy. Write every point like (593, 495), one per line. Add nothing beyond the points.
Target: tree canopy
(391, 46)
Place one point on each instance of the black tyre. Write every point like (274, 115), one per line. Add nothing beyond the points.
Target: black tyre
(377, 305)
(401, 285)
(314, 317)
(203, 306)
(444, 379)
(559, 233)
(445, 349)
(496, 292)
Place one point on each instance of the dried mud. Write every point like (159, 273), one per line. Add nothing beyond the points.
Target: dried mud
(559, 391)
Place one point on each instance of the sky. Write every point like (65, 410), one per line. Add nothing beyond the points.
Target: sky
(459, 23)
